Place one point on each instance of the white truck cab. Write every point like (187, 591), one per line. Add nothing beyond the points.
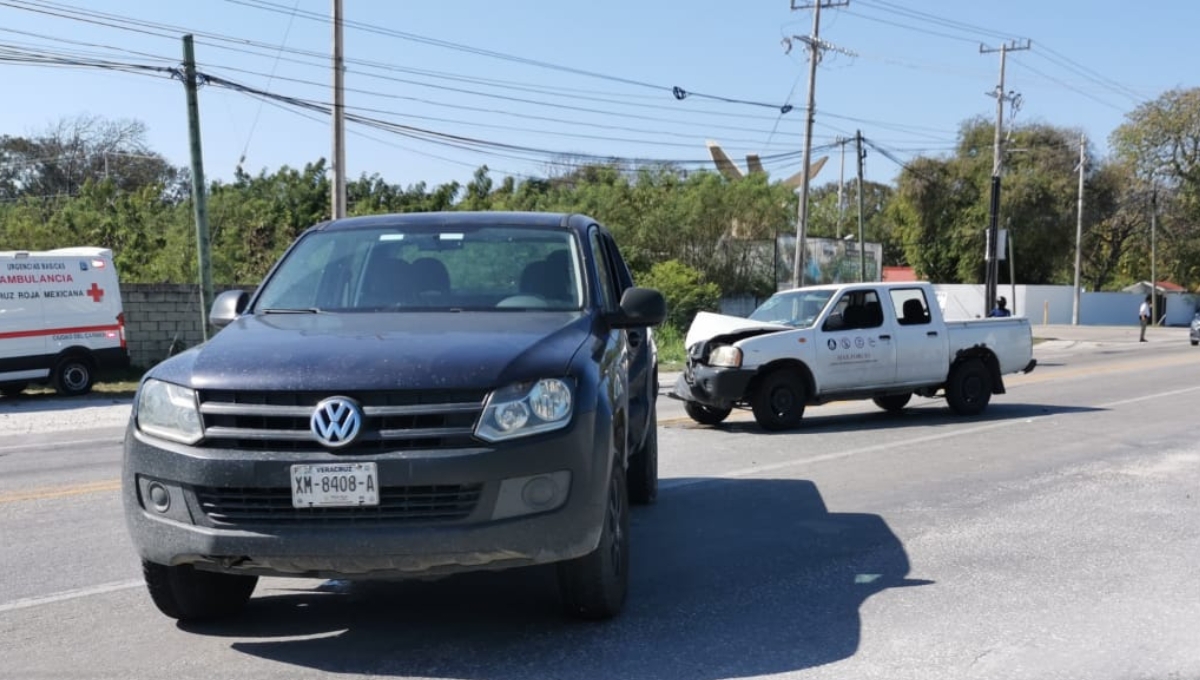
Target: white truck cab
(880, 341)
(61, 319)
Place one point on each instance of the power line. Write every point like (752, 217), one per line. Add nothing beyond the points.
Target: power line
(676, 91)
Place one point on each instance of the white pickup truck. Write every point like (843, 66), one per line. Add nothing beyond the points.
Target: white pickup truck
(880, 341)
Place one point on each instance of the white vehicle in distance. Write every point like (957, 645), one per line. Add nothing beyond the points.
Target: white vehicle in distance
(61, 319)
(879, 341)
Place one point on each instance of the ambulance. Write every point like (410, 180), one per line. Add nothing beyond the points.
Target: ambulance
(61, 321)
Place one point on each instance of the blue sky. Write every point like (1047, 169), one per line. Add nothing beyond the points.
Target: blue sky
(916, 76)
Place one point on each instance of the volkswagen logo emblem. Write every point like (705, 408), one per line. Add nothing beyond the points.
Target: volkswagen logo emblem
(336, 421)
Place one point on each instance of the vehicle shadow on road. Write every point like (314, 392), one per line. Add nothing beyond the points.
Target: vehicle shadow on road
(920, 414)
(730, 578)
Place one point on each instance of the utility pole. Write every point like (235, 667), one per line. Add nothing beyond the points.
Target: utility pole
(339, 117)
(993, 233)
(816, 48)
(862, 239)
(199, 201)
(1079, 227)
(1154, 254)
(841, 141)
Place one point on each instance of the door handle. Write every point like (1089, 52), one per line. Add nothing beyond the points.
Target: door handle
(932, 334)
(885, 337)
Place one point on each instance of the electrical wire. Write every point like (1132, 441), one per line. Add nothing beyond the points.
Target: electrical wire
(679, 93)
(254, 124)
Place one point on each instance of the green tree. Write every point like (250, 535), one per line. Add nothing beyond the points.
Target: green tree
(685, 290)
(941, 205)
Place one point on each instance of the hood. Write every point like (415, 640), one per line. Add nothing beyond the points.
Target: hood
(707, 326)
(434, 350)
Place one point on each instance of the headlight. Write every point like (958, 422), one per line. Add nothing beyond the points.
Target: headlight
(169, 411)
(524, 409)
(725, 356)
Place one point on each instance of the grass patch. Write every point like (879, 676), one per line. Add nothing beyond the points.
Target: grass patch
(671, 354)
(122, 383)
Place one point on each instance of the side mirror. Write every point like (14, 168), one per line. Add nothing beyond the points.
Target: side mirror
(640, 307)
(834, 322)
(227, 307)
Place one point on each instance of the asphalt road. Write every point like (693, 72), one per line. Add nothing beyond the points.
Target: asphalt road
(1057, 536)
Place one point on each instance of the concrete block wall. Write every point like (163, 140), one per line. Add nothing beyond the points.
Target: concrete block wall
(162, 319)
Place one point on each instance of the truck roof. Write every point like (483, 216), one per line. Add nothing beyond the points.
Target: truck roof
(866, 284)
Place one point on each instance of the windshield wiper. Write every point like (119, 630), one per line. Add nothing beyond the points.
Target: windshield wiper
(299, 310)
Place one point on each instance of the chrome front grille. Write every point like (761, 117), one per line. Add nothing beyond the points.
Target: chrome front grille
(433, 419)
(397, 504)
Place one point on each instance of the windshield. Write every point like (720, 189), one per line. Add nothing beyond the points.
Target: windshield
(795, 308)
(442, 267)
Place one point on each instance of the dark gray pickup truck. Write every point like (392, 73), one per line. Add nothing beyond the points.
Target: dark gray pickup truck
(404, 395)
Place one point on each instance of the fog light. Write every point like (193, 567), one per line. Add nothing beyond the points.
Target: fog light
(160, 498)
(528, 495)
(539, 492)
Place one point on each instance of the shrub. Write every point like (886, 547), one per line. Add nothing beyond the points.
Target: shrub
(685, 291)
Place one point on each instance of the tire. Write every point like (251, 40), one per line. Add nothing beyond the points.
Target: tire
(779, 401)
(893, 403)
(188, 594)
(642, 476)
(594, 587)
(1195, 342)
(13, 389)
(704, 414)
(970, 388)
(73, 376)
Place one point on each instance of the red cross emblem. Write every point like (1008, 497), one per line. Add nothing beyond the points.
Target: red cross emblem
(95, 292)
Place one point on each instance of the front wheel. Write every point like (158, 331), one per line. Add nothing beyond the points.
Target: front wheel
(893, 403)
(779, 401)
(1195, 342)
(73, 377)
(594, 586)
(706, 415)
(970, 388)
(186, 593)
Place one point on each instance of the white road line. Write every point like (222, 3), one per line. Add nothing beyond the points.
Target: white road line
(838, 455)
(117, 439)
(28, 602)
(1148, 397)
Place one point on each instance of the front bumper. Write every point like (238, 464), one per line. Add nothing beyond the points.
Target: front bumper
(716, 387)
(490, 533)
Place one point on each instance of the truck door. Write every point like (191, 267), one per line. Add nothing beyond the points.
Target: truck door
(921, 345)
(854, 347)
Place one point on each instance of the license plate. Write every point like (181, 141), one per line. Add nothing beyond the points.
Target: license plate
(334, 485)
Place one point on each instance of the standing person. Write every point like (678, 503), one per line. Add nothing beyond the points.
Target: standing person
(1001, 308)
(1144, 317)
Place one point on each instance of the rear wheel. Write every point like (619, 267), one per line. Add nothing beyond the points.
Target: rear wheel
(1195, 342)
(779, 401)
(970, 388)
(704, 414)
(594, 586)
(73, 376)
(186, 593)
(13, 389)
(643, 465)
(893, 403)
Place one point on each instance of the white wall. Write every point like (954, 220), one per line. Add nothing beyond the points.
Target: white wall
(1042, 304)
(1109, 309)
(1181, 309)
